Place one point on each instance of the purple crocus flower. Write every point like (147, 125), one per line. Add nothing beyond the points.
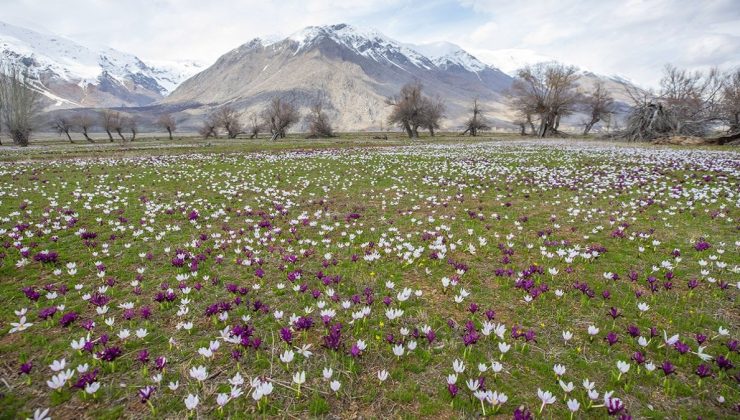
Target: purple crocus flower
(681, 347)
(633, 330)
(47, 312)
(431, 335)
(286, 335)
(143, 356)
(146, 393)
(110, 354)
(611, 338)
(724, 363)
(668, 368)
(86, 379)
(703, 370)
(333, 339)
(26, 368)
(303, 323)
(68, 318)
(355, 351)
(614, 406)
(160, 362)
(702, 245)
(732, 345)
(46, 257)
(31, 293)
(522, 413)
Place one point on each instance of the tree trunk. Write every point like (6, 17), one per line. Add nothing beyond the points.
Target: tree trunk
(169, 131)
(431, 131)
(120, 134)
(523, 129)
(407, 127)
(725, 139)
(590, 125)
(133, 135)
(84, 133)
(543, 127)
(415, 131)
(19, 137)
(110, 136)
(68, 136)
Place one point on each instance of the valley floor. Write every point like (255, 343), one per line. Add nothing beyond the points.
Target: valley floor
(442, 277)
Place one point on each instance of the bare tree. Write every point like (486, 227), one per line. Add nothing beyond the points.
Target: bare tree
(130, 123)
(83, 122)
(597, 104)
(689, 103)
(692, 98)
(255, 126)
(117, 124)
(546, 90)
(526, 111)
(62, 125)
(209, 127)
(279, 116)
(318, 122)
(228, 119)
(109, 120)
(411, 110)
(730, 103)
(476, 122)
(167, 121)
(19, 103)
(407, 109)
(432, 111)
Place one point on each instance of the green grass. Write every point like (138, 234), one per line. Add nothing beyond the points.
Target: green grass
(137, 197)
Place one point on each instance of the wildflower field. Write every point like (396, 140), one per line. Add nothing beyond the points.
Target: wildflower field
(506, 278)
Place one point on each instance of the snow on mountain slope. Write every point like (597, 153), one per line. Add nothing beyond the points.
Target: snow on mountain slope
(71, 74)
(511, 59)
(170, 74)
(446, 54)
(368, 43)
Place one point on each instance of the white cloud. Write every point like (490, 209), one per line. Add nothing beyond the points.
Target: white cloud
(634, 38)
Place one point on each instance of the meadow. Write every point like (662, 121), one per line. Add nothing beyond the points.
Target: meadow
(365, 278)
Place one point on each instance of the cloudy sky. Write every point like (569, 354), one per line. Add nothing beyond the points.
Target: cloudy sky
(631, 38)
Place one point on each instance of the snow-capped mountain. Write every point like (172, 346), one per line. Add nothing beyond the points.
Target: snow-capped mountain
(72, 75)
(353, 70)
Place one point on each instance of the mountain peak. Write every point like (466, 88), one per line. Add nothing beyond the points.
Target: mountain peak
(64, 70)
(368, 43)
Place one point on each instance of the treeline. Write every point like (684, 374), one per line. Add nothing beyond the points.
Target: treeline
(686, 103)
